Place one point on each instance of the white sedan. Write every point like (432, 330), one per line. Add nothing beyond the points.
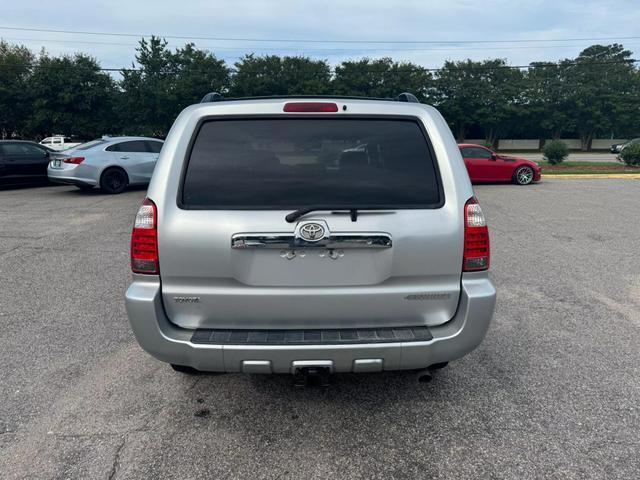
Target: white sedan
(112, 163)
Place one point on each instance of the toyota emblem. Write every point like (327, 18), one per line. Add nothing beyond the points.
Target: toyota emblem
(312, 232)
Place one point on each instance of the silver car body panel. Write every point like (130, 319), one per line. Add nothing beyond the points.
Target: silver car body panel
(138, 165)
(169, 343)
(249, 269)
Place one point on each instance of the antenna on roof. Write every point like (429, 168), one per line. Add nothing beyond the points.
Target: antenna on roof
(211, 97)
(407, 97)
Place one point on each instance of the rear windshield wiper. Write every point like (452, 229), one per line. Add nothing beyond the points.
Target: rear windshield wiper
(295, 215)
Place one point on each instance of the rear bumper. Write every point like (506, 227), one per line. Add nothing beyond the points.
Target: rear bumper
(169, 343)
(69, 176)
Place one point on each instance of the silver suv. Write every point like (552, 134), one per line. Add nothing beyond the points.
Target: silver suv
(310, 235)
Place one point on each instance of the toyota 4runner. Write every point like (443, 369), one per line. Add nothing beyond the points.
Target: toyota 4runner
(293, 235)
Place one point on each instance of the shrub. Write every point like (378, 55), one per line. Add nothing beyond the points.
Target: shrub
(555, 152)
(631, 155)
(487, 144)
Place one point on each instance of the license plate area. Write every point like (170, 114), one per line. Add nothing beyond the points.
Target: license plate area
(57, 163)
(306, 267)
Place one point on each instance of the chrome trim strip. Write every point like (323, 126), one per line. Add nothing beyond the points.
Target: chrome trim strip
(288, 240)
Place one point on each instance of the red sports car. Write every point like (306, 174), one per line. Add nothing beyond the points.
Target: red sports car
(484, 165)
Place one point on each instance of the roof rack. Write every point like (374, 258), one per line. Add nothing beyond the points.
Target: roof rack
(211, 97)
(407, 97)
(216, 97)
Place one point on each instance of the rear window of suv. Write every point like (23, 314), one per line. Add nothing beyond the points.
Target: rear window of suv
(303, 162)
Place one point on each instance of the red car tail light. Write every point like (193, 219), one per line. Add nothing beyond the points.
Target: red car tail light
(476, 254)
(74, 160)
(310, 107)
(144, 240)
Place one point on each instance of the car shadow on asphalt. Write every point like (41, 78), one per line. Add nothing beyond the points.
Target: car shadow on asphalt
(96, 192)
(25, 185)
(374, 388)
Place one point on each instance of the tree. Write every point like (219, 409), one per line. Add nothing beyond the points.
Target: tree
(274, 75)
(164, 83)
(458, 95)
(604, 84)
(382, 78)
(71, 96)
(487, 94)
(597, 93)
(196, 73)
(626, 109)
(502, 100)
(15, 99)
(549, 92)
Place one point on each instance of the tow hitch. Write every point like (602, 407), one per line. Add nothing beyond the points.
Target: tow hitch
(312, 373)
(311, 376)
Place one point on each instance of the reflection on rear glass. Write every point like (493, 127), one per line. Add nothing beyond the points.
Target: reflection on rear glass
(293, 163)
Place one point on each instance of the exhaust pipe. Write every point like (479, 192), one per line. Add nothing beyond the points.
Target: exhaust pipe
(424, 376)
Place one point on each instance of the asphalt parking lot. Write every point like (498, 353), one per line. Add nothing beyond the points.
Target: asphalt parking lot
(553, 392)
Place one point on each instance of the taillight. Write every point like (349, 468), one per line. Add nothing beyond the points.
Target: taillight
(310, 107)
(144, 240)
(74, 160)
(476, 238)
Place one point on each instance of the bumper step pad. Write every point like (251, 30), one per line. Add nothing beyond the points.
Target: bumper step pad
(310, 337)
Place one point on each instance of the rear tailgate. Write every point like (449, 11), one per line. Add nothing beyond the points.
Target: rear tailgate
(229, 259)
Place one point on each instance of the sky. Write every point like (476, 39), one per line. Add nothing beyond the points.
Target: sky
(423, 32)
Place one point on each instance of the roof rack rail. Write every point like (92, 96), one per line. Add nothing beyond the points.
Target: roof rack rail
(216, 97)
(211, 97)
(407, 97)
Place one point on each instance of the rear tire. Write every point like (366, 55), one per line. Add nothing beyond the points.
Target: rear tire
(523, 176)
(113, 180)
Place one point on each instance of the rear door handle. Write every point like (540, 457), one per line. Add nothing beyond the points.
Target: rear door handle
(124, 158)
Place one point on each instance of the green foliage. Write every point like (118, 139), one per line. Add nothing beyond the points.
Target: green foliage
(483, 93)
(15, 98)
(274, 75)
(555, 152)
(630, 155)
(164, 83)
(597, 93)
(70, 94)
(549, 93)
(605, 91)
(382, 78)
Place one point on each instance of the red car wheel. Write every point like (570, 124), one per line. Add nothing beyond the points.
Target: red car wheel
(523, 175)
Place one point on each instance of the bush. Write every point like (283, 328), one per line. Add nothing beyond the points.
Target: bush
(555, 152)
(631, 155)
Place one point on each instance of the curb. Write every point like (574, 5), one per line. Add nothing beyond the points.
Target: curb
(578, 176)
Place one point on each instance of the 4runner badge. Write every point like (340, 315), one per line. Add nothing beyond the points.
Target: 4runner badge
(186, 299)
